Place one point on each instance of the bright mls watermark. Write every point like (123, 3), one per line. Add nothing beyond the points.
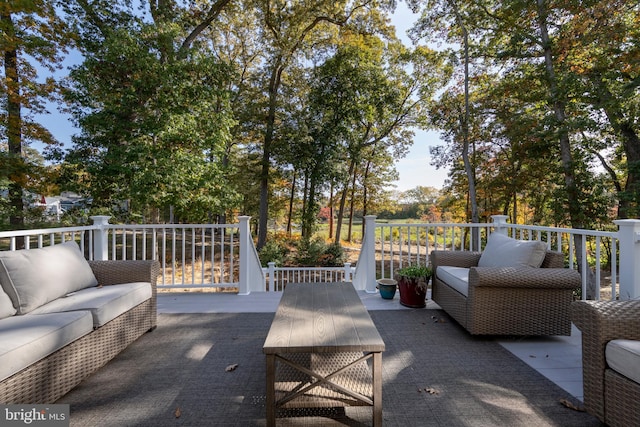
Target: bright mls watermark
(34, 415)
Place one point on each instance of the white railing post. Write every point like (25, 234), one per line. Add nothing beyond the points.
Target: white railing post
(272, 276)
(365, 276)
(100, 237)
(629, 238)
(251, 277)
(500, 224)
(347, 272)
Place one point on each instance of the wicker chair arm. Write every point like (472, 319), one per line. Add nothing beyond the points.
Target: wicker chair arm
(524, 277)
(463, 259)
(608, 319)
(125, 271)
(601, 322)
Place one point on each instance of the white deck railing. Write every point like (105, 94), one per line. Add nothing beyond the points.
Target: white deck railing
(191, 256)
(387, 247)
(278, 277)
(198, 256)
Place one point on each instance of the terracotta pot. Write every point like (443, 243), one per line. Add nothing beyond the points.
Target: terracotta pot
(412, 294)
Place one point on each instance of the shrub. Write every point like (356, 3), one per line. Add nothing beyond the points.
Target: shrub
(273, 251)
(316, 252)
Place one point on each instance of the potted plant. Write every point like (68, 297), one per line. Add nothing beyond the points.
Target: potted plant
(412, 284)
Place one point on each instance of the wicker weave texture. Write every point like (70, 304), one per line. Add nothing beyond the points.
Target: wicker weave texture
(508, 300)
(452, 301)
(621, 400)
(52, 377)
(601, 322)
(357, 378)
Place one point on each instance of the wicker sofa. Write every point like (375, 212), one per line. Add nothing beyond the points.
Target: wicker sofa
(610, 359)
(505, 299)
(47, 350)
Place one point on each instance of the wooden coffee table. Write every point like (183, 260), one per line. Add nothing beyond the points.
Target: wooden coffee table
(318, 351)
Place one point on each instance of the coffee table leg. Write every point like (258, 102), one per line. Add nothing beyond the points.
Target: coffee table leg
(271, 390)
(377, 389)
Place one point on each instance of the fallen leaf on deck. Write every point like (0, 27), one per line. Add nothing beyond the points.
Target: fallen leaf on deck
(431, 390)
(231, 367)
(570, 405)
(177, 412)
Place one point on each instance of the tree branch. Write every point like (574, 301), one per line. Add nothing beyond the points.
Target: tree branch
(214, 12)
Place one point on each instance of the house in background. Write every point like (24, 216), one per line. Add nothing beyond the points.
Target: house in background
(53, 206)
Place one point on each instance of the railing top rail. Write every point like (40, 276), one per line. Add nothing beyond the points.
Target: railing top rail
(613, 234)
(341, 268)
(433, 224)
(159, 226)
(32, 232)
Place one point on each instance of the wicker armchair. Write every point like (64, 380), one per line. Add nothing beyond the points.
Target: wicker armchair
(508, 300)
(611, 397)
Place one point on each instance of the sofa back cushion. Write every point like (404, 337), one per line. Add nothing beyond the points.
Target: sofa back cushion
(33, 277)
(503, 251)
(6, 306)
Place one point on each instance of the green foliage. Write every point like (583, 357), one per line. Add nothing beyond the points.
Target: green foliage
(155, 123)
(301, 252)
(315, 252)
(273, 251)
(198, 106)
(414, 272)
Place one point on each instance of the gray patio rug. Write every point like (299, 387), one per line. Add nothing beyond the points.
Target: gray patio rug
(434, 374)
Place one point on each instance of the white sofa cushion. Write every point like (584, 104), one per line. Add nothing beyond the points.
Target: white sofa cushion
(6, 306)
(623, 356)
(26, 339)
(456, 277)
(33, 277)
(105, 302)
(503, 251)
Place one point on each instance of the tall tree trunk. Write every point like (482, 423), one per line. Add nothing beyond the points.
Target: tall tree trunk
(343, 199)
(222, 217)
(274, 85)
(351, 205)
(305, 200)
(291, 197)
(14, 126)
(559, 109)
(468, 166)
(331, 212)
(629, 196)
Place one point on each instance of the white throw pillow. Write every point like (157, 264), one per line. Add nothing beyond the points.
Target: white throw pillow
(33, 277)
(503, 251)
(6, 306)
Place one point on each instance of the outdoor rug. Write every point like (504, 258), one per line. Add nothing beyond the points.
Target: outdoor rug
(434, 374)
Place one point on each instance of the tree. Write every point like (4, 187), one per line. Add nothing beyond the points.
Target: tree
(383, 102)
(534, 43)
(600, 46)
(32, 36)
(153, 108)
(289, 31)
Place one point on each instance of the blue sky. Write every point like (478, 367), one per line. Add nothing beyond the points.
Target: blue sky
(414, 169)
